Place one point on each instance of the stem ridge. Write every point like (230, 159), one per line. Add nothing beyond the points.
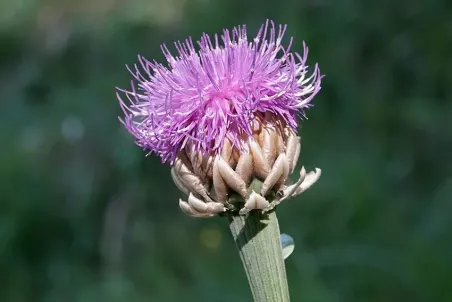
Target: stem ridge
(257, 238)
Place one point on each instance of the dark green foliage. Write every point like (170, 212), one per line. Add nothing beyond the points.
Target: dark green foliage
(85, 217)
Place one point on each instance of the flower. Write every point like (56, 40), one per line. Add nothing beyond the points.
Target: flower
(225, 117)
(204, 97)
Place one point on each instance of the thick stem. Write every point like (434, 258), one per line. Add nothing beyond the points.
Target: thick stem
(257, 239)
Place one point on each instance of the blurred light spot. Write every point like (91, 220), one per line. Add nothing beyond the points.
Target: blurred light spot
(210, 238)
(72, 129)
(160, 12)
(53, 27)
(31, 139)
(287, 245)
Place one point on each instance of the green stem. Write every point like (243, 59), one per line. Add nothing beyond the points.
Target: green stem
(257, 239)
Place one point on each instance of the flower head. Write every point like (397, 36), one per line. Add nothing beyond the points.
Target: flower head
(205, 98)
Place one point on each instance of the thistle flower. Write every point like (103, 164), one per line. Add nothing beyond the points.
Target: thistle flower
(225, 118)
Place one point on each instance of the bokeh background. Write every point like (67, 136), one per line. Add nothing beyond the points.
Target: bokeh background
(85, 217)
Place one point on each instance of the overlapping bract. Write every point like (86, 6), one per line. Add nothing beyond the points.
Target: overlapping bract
(240, 182)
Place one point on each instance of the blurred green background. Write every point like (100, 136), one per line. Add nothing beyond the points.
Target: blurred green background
(84, 216)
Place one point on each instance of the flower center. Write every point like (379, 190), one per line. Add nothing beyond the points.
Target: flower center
(223, 100)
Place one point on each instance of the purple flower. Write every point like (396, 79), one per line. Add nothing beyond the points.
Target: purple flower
(206, 96)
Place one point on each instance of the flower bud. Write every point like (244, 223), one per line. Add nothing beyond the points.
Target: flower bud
(242, 181)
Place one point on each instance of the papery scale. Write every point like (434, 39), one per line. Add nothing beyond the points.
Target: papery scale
(212, 180)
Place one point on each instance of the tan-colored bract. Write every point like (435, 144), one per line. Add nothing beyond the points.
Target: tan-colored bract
(209, 181)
